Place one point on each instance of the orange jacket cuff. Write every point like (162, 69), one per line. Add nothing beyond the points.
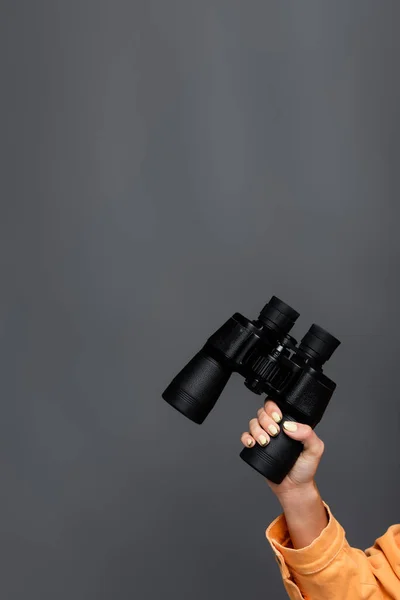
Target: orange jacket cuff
(309, 559)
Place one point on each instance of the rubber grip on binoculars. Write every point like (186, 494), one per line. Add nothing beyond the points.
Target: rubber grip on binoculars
(196, 389)
(275, 460)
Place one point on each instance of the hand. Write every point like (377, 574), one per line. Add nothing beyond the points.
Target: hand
(303, 472)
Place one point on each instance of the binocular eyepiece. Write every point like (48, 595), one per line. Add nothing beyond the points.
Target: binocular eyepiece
(264, 353)
(280, 317)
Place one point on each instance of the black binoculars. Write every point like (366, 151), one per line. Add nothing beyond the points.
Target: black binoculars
(264, 353)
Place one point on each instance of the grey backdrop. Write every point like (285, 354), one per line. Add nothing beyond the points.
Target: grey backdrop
(165, 164)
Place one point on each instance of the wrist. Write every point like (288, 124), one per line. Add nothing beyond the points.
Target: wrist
(305, 514)
(301, 493)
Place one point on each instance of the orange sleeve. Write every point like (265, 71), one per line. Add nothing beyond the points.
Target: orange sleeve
(329, 567)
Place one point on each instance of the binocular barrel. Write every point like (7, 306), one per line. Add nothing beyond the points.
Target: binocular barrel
(196, 389)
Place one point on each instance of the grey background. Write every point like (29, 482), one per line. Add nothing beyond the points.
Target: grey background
(165, 164)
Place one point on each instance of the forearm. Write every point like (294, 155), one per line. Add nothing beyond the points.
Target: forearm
(305, 515)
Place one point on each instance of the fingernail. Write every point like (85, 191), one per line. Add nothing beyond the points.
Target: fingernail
(249, 442)
(290, 426)
(272, 429)
(263, 440)
(276, 417)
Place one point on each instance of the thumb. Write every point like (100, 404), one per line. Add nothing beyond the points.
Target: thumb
(313, 445)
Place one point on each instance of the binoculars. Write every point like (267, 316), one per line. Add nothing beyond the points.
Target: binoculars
(271, 362)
